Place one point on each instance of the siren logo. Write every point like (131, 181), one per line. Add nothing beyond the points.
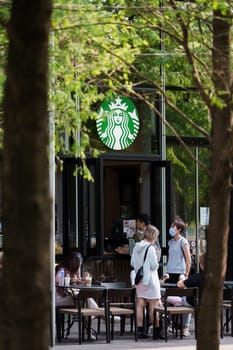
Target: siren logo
(117, 123)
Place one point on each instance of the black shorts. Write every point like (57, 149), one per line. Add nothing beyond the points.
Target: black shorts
(173, 278)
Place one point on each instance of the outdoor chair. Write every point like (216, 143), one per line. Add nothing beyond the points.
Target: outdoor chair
(227, 311)
(176, 312)
(122, 302)
(113, 285)
(83, 314)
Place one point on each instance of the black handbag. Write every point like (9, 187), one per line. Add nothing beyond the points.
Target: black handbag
(139, 274)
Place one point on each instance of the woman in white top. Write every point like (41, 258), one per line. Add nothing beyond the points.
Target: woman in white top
(148, 289)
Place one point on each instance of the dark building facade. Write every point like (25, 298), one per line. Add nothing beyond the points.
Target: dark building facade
(98, 217)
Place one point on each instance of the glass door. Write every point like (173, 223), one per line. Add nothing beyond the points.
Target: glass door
(101, 215)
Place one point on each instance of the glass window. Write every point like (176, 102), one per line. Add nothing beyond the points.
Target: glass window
(190, 190)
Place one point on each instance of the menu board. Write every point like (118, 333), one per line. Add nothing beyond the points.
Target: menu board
(129, 227)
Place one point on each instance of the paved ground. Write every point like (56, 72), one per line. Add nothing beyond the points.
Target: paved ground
(140, 345)
(126, 342)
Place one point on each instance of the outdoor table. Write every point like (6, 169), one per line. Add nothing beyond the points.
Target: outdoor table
(78, 286)
(168, 285)
(73, 289)
(228, 284)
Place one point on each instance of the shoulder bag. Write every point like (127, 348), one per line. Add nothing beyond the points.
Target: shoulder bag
(139, 274)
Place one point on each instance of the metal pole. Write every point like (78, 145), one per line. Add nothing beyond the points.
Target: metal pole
(52, 196)
(197, 207)
(163, 142)
(78, 138)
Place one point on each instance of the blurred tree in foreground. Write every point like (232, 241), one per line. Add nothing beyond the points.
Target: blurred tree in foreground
(25, 291)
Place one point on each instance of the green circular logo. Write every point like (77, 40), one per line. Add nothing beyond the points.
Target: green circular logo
(117, 123)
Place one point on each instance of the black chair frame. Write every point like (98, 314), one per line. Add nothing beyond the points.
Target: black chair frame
(82, 314)
(227, 306)
(122, 302)
(176, 312)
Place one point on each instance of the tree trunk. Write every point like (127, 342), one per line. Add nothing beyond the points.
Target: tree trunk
(25, 295)
(220, 189)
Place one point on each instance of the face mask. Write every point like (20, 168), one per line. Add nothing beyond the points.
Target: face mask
(172, 231)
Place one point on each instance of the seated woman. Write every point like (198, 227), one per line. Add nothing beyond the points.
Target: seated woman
(195, 280)
(72, 266)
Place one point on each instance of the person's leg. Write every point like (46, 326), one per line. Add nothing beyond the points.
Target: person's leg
(186, 324)
(152, 304)
(186, 318)
(141, 303)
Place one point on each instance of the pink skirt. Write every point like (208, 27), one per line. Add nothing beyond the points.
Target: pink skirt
(148, 292)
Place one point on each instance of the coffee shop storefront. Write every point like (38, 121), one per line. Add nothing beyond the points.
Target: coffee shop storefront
(129, 177)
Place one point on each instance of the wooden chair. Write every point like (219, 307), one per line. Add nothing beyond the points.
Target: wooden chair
(83, 314)
(122, 302)
(113, 285)
(176, 312)
(227, 310)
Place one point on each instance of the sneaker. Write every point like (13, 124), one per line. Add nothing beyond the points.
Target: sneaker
(186, 332)
(93, 335)
(117, 319)
(169, 329)
(150, 329)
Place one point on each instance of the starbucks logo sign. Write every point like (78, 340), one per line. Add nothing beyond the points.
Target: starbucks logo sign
(117, 123)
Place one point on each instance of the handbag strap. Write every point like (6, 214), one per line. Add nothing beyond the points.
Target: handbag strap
(181, 247)
(146, 253)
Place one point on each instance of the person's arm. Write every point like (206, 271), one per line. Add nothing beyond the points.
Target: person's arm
(192, 281)
(132, 260)
(153, 262)
(164, 278)
(123, 249)
(57, 276)
(180, 284)
(132, 278)
(187, 260)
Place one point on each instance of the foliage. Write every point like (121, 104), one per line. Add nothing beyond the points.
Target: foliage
(99, 48)
(102, 47)
(87, 50)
